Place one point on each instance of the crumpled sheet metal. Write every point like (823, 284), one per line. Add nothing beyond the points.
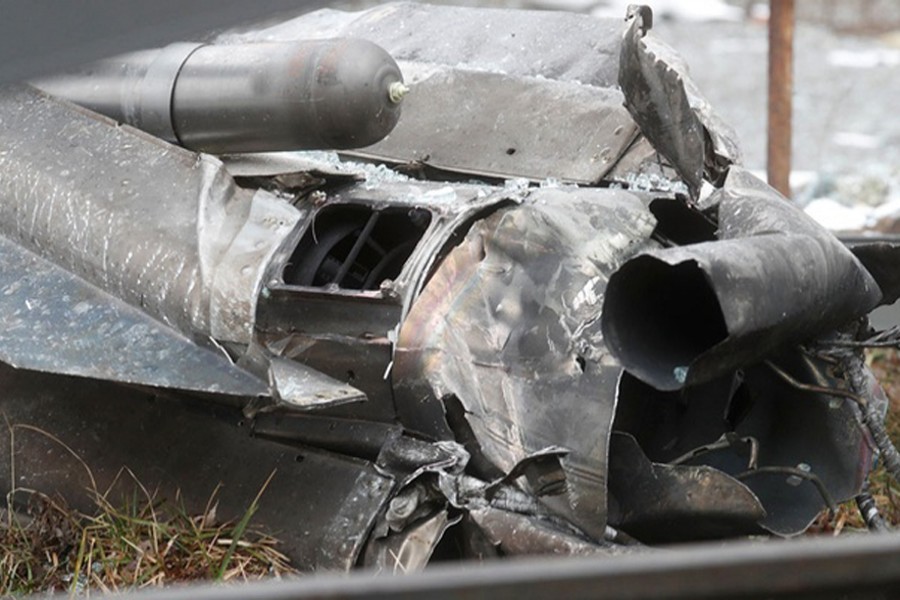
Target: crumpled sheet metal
(521, 535)
(687, 314)
(821, 435)
(656, 98)
(508, 326)
(435, 489)
(181, 250)
(669, 108)
(344, 331)
(161, 228)
(481, 81)
(774, 430)
(563, 46)
(408, 550)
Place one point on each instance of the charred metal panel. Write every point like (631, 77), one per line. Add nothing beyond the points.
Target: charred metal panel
(358, 364)
(658, 102)
(293, 309)
(664, 503)
(671, 111)
(350, 437)
(819, 438)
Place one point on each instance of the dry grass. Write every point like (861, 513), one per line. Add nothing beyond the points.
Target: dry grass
(141, 542)
(885, 364)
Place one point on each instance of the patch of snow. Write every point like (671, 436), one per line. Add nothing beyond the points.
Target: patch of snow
(837, 217)
(851, 139)
(864, 59)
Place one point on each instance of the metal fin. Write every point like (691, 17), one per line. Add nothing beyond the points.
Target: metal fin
(55, 322)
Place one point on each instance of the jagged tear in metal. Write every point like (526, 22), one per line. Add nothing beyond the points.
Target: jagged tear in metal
(436, 363)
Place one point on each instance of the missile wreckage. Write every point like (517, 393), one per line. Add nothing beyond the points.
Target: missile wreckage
(534, 306)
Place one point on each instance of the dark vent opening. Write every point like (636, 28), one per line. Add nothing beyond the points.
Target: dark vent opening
(355, 247)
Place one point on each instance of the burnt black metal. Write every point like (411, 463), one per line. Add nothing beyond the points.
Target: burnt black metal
(350, 437)
(880, 257)
(452, 337)
(669, 425)
(658, 503)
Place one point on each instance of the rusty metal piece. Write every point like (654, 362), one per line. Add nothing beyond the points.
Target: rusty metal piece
(781, 89)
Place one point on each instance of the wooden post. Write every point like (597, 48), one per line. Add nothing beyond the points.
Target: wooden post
(781, 85)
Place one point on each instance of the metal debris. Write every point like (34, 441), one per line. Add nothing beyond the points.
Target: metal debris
(440, 358)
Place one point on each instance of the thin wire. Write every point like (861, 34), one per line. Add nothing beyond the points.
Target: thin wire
(816, 389)
(811, 477)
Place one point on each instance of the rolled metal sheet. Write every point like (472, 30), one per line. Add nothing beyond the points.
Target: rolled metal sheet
(687, 314)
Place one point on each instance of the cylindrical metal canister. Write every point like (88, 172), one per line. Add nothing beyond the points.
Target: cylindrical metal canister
(323, 94)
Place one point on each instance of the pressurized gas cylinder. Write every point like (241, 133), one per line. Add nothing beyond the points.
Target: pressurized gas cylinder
(323, 94)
